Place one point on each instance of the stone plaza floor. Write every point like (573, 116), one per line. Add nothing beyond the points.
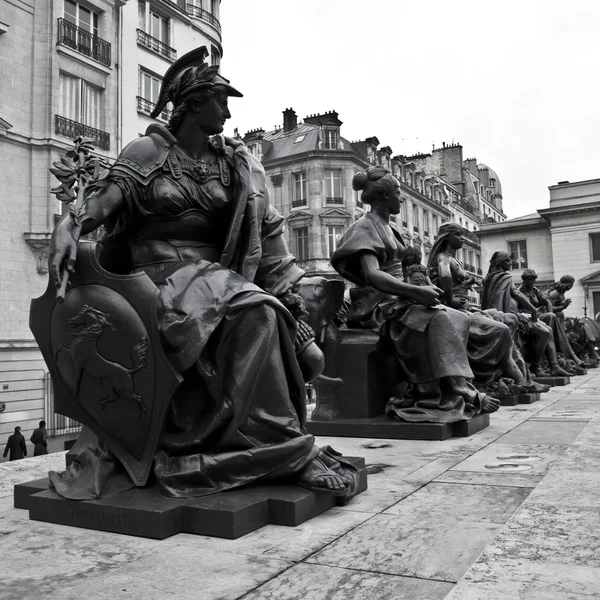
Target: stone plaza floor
(512, 512)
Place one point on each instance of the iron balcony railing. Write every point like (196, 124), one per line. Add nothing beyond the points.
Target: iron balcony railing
(146, 107)
(404, 224)
(335, 200)
(297, 203)
(73, 129)
(84, 42)
(147, 41)
(200, 13)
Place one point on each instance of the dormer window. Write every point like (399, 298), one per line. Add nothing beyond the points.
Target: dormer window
(332, 137)
(492, 183)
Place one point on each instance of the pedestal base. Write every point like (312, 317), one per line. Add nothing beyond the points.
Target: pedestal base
(528, 398)
(383, 427)
(592, 364)
(552, 381)
(144, 512)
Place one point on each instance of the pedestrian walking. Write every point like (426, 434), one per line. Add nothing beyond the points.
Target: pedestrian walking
(39, 439)
(16, 445)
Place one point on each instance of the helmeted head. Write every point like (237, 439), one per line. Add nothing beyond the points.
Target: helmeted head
(378, 185)
(190, 84)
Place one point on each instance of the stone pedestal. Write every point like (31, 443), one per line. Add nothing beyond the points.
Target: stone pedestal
(144, 512)
(528, 398)
(386, 428)
(355, 405)
(552, 381)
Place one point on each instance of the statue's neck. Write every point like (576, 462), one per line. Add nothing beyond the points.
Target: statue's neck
(192, 139)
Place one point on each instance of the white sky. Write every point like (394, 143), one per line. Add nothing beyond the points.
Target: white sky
(516, 82)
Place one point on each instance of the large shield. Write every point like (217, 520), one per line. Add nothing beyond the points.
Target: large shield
(103, 350)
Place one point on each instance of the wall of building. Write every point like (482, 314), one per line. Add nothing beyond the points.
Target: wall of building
(539, 250)
(572, 255)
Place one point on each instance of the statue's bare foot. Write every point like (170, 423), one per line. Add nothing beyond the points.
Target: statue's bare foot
(317, 477)
(537, 371)
(489, 404)
(557, 371)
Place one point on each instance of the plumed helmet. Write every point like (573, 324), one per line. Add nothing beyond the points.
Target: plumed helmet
(187, 75)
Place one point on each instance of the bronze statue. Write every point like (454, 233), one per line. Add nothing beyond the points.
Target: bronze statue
(500, 292)
(490, 346)
(548, 312)
(431, 365)
(556, 295)
(189, 208)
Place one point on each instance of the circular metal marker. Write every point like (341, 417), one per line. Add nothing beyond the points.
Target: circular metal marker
(519, 458)
(508, 467)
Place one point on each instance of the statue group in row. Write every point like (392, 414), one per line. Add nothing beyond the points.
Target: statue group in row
(189, 208)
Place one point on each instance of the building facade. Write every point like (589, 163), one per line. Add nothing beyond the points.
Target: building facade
(563, 239)
(154, 34)
(90, 68)
(58, 62)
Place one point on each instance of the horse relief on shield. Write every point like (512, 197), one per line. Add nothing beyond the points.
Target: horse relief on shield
(116, 378)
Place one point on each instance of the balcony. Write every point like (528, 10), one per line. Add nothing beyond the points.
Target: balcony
(83, 42)
(73, 129)
(147, 41)
(298, 203)
(335, 200)
(146, 107)
(203, 15)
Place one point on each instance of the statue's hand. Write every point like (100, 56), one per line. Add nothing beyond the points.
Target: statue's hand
(63, 254)
(426, 295)
(567, 301)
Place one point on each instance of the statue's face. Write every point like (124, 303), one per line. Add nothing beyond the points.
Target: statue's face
(529, 281)
(506, 264)
(418, 278)
(394, 197)
(568, 286)
(456, 240)
(213, 114)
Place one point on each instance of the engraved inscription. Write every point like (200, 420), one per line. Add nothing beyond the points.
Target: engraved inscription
(99, 517)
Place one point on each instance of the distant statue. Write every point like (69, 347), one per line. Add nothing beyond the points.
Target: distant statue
(397, 301)
(556, 295)
(490, 346)
(548, 313)
(500, 292)
(190, 209)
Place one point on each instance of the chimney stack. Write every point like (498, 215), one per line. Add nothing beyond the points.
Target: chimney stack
(290, 120)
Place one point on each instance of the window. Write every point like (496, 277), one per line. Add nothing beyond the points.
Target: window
(80, 101)
(81, 17)
(425, 222)
(301, 244)
(299, 138)
(333, 186)
(215, 57)
(149, 86)
(518, 254)
(299, 189)
(159, 28)
(435, 225)
(331, 139)
(416, 220)
(595, 246)
(404, 213)
(492, 183)
(334, 233)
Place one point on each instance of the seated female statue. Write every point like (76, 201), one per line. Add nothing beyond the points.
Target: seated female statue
(429, 340)
(191, 210)
(490, 346)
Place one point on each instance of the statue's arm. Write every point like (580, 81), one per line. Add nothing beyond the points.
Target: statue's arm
(101, 203)
(522, 301)
(388, 284)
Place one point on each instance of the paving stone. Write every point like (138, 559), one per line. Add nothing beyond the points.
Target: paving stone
(538, 432)
(394, 545)
(490, 479)
(315, 582)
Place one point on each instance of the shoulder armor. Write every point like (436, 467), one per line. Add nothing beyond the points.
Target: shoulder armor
(144, 157)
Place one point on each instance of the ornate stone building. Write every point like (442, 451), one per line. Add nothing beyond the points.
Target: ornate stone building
(563, 239)
(309, 168)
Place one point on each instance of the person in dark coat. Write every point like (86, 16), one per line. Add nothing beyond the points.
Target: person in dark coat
(39, 439)
(16, 445)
